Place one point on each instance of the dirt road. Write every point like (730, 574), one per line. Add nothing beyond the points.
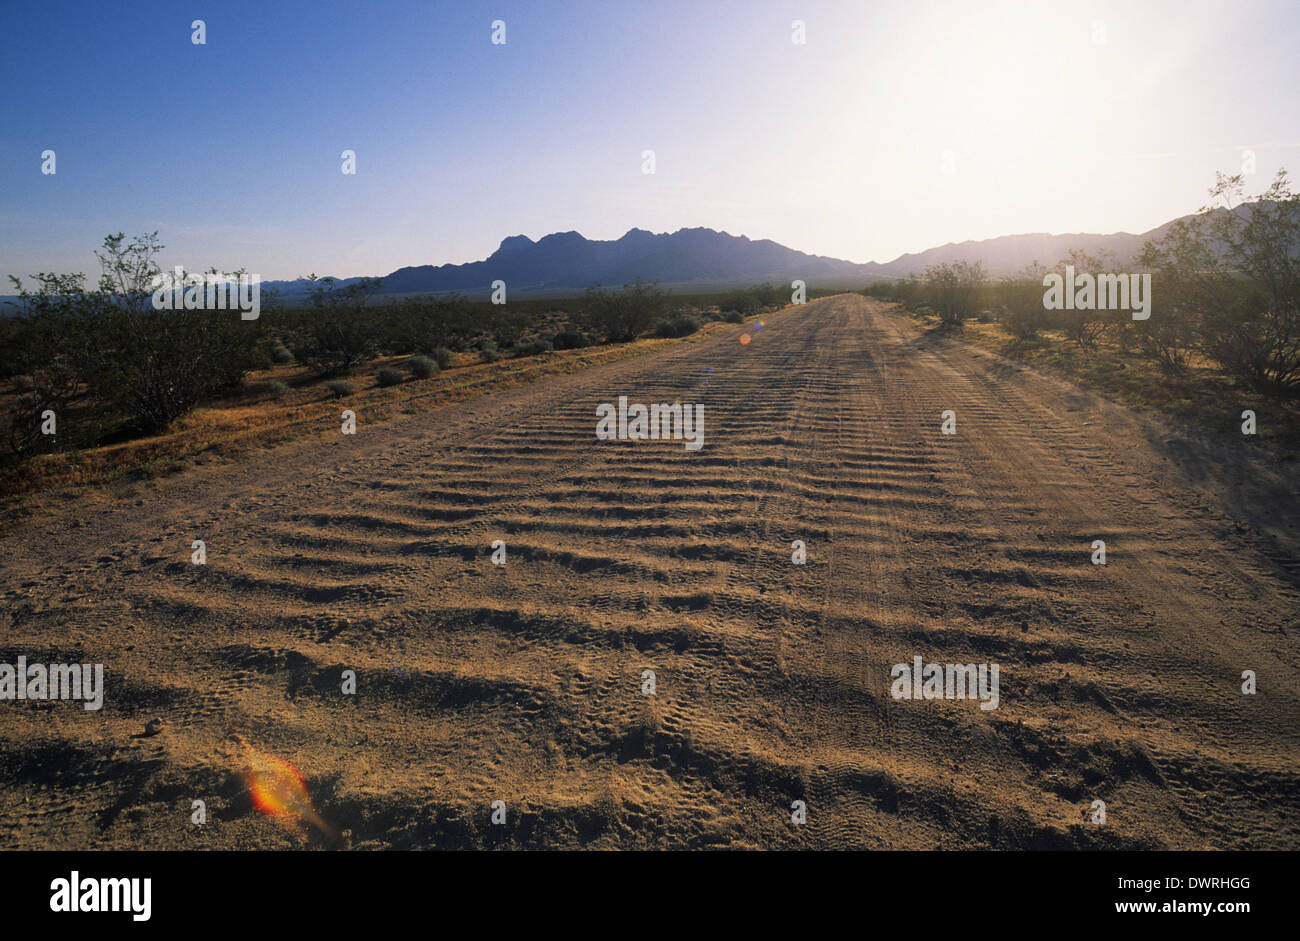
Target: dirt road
(523, 682)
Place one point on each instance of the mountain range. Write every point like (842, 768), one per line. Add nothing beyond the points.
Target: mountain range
(700, 259)
(563, 264)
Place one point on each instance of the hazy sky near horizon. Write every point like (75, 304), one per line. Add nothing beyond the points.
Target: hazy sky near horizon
(838, 146)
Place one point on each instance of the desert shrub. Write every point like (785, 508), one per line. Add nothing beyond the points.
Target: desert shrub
(157, 365)
(745, 302)
(1123, 332)
(489, 351)
(423, 324)
(110, 349)
(340, 334)
(1253, 337)
(340, 388)
(388, 376)
(953, 290)
(906, 291)
(1019, 302)
(570, 340)
(280, 354)
(1170, 338)
(277, 388)
(678, 325)
(1082, 326)
(52, 349)
(442, 356)
(25, 421)
(532, 347)
(1228, 281)
(622, 315)
(422, 367)
(1169, 335)
(1021, 324)
(506, 324)
(733, 316)
(163, 364)
(771, 295)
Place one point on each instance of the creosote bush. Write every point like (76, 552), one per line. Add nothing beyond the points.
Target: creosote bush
(678, 325)
(532, 347)
(570, 340)
(422, 367)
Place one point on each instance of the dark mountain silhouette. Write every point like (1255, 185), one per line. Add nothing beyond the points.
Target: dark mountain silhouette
(565, 263)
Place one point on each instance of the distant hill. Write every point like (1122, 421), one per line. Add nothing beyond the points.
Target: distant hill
(1009, 254)
(697, 260)
(565, 263)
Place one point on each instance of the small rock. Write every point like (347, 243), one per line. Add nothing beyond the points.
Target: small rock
(153, 727)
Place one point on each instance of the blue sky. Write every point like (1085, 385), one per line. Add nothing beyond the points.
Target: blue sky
(838, 146)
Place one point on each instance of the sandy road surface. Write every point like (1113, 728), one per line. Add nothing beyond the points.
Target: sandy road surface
(522, 683)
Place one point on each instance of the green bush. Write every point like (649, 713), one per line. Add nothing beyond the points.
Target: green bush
(746, 302)
(139, 368)
(422, 367)
(733, 316)
(532, 347)
(1019, 302)
(1228, 283)
(906, 291)
(277, 388)
(624, 315)
(340, 387)
(388, 376)
(442, 356)
(679, 325)
(280, 355)
(772, 295)
(570, 340)
(340, 334)
(954, 290)
(506, 324)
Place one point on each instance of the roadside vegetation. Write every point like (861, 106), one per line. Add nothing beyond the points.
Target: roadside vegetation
(98, 384)
(1223, 333)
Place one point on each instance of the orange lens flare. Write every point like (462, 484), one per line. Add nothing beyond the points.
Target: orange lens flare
(744, 339)
(278, 790)
(277, 787)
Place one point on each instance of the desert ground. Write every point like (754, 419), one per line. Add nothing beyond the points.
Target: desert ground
(523, 682)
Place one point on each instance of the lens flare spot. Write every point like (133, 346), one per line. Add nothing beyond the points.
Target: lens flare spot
(759, 326)
(744, 339)
(276, 786)
(278, 790)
